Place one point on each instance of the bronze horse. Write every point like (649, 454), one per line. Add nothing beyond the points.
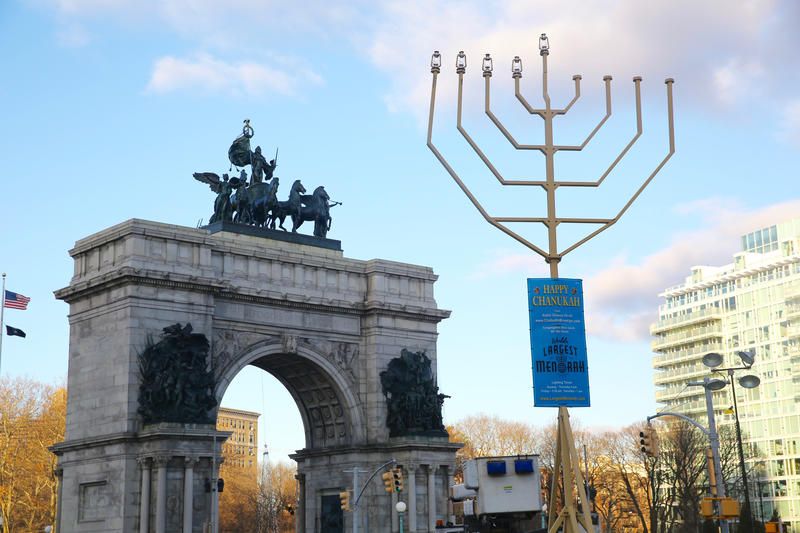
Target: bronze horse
(316, 208)
(264, 197)
(291, 207)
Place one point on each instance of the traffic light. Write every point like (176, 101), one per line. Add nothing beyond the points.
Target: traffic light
(388, 481)
(707, 507)
(728, 508)
(397, 479)
(644, 440)
(648, 439)
(344, 499)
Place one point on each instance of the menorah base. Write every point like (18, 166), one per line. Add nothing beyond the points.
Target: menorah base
(568, 463)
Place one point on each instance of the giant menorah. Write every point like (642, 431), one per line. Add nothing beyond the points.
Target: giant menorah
(567, 461)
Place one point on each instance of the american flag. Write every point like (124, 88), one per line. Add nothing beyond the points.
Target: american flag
(16, 301)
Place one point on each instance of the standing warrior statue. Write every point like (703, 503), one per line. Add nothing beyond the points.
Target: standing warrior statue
(262, 171)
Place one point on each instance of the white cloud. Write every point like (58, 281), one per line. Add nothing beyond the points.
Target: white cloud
(505, 262)
(622, 297)
(717, 50)
(727, 54)
(233, 24)
(205, 73)
(735, 80)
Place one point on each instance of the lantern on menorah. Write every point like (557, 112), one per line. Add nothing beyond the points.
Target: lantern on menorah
(461, 62)
(558, 355)
(486, 65)
(516, 67)
(544, 45)
(436, 61)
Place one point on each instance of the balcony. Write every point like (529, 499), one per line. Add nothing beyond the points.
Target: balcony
(681, 356)
(689, 400)
(793, 310)
(792, 292)
(703, 315)
(688, 336)
(680, 375)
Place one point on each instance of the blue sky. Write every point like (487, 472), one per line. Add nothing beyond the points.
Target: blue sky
(108, 106)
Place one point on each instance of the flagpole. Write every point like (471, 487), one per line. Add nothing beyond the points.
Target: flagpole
(2, 314)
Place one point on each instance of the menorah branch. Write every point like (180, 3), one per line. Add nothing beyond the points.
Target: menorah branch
(577, 79)
(534, 111)
(461, 185)
(494, 119)
(637, 89)
(477, 149)
(548, 149)
(523, 101)
(671, 129)
(607, 80)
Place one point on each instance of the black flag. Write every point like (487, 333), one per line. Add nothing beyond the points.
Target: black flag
(14, 332)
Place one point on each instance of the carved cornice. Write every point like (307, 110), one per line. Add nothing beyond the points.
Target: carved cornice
(222, 289)
(76, 444)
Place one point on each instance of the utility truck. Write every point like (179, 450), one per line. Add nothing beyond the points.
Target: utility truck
(499, 495)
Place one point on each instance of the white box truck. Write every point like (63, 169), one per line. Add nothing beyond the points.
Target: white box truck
(500, 494)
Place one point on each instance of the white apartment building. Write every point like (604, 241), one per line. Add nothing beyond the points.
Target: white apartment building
(752, 304)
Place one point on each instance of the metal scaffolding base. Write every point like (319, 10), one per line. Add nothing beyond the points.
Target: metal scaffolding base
(568, 465)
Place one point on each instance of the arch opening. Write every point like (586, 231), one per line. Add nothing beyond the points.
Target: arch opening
(324, 398)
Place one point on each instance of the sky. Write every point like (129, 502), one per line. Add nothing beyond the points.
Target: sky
(107, 107)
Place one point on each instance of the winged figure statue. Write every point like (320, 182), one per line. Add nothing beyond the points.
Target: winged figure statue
(223, 209)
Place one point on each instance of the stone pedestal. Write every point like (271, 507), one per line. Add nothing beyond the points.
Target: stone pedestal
(323, 324)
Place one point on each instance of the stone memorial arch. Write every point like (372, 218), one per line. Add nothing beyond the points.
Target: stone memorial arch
(324, 325)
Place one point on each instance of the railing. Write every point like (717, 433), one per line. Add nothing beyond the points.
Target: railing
(792, 310)
(686, 355)
(708, 313)
(665, 376)
(683, 402)
(694, 334)
(792, 292)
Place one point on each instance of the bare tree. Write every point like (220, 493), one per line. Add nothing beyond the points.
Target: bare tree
(484, 435)
(277, 499)
(637, 475)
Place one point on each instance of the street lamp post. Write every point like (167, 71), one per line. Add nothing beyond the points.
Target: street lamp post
(714, 360)
(712, 385)
(716, 467)
(401, 509)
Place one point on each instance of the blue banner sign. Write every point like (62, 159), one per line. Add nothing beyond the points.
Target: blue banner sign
(558, 342)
